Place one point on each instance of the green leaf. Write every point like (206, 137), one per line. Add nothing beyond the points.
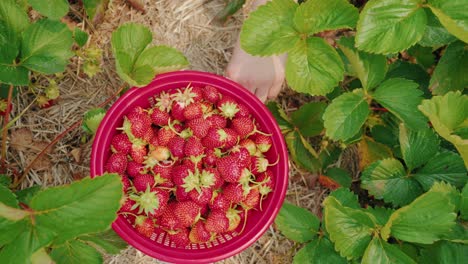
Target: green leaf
(371, 151)
(369, 68)
(329, 155)
(314, 67)
(280, 116)
(447, 114)
(346, 115)
(270, 29)
(5, 180)
(13, 16)
(346, 198)
(76, 252)
(417, 147)
(54, 9)
(445, 252)
(94, 7)
(92, 118)
(435, 34)
(44, 42)
(381, 252)
(11, 230)
(301, 152)
(8, 197)
(402, 97)
(161, 59)
(459, 234)
(444, 166)
(464, 203)
(107, 240)
(318, 251)
(296, 223)
(308, 118)
(381, 214)
(423, 55)
(385, 135)
(410, 71)
(80, 37)
(15, 75)
(41, 257)
(427, 219)
(387, 179)
(453, 15)
(62, 208)
(350, 229)
(27, 194)
(317, 16)
(449, 74)
(340, 176)
(13, 21)
(390, 26)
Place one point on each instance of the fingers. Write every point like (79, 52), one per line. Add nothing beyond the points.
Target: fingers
(262, 92)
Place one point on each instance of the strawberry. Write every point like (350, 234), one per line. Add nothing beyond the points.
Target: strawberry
(4, 107)
(249, 144)
(164, 135)
(265, 181)
(194, 149)
(199, 234)
(181, 194)
(251, 200)
(136, 111)
(192, 165)
(197, 93)
(153, 141)
(117, 163)
(217, 121)
(232, 138)
(234, 218)
(163, 171)
(215, 138)
(203, 197)
(180, 173)
(207, 108)
(181, 238)
(163, 101)
(127, 206)
(211, 94)
(242, 155)
(187, 212)
(142, 181)
(145, 226)
(126, 184)
(176, 146)
(209, 177)
(193, 111)
(233, 192)
(137, 125)
(228, 106)
(138, 152)
(177, 111)
(219, 202)
(243, 111)
(149, 135)
(159, 117)
(211, 156)
(152, 201)
(244, 126)
(229, 169)
(259, 164)
(135, 168)
(168, 220)
(199, 127)
(217, 222)
(121, 143)
(263, 142)
(157, 155)
(44, 102)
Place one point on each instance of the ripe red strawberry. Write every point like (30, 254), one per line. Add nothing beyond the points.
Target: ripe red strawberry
(135, 168)
(209, 177)
(217, 121)
(199, 234)
(242, 155)
(145, 226)
(192, 165)
(233, 192)
(215, 138)
(137, 125)
(138, 152)
(181, 194)
(199, 127)
(263, 142)
(193, 110)
(142, 181)
(244, 126)
(251, 200)
(197, 93)
(249, 144)
(176, 146)
(177, 111)
(234, 218)
(121, 143)
(179, 173)
(211, 156)
(229, 169)
(159, 117)
(181, 238)
(126, 184)
(219, 202)
(136, 111)
(164, 135)
(168, 220)
(194, 149)
(152, 202)
(243, 111)
(154, 140)
(211, 94)
(117, 163)
(163, 171)
(232, 138)
(188, 212)
(149, 134)
(228, 106)
(127, 206)
(217, 222)
(203, 197)
(207, 108)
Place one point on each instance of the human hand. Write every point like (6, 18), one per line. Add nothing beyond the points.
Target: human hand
(263, 76)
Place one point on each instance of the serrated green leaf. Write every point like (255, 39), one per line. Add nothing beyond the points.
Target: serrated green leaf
(318, 251)
(340, 176)
(80, 37)
(417, 147)
(92, 118)
(435, 34)
(27, 194)
(308, 118)
(41, 257)
(459, 234)
(410, 71)
(427, 219)
(53, 9)
(315, 16)
(387, 179)
(280, 116)
(381, 214)
(15, 75)
(464, 203)
(448, 113)
(371, 151)
(107, 240)
(94, 7)
(13, 16)
(350, 229)
(390, 26)
(11, 230)
(369, 68)
(301, 152)
(8, 197)
(62, 208)
(296, 223)
(449, 74)
(381, 252)
(314, 67)
(162, 59)
(329, 155)
(76, 252)
(402, 97)
(444, 166)
(345, 115)
(453, 15)
(385, 135)
(346, 198)
(270, 29)
(423, 55)
(44, 42)
(444, 252)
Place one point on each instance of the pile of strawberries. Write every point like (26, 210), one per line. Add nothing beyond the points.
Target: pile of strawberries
(193, 165)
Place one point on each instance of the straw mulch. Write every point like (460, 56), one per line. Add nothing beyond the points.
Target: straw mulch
(186, 25)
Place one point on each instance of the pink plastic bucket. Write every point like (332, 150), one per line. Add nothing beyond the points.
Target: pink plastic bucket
(159, 245)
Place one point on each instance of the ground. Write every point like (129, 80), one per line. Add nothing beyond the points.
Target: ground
(185, 25)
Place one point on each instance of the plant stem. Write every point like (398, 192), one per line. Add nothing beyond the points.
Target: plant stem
(5, 130)
(61, 135)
